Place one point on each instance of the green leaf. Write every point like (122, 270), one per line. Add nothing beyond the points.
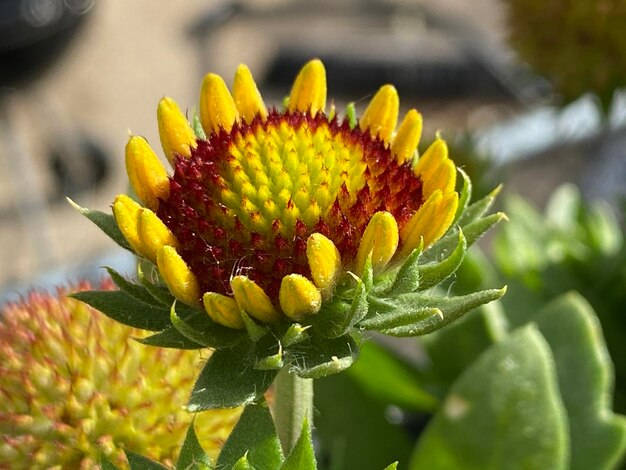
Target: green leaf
(465, 197)
(243, 464)
(170, 338)
(400, 311)
(255, 331)
(139, 462)
(503, 412)
(160, 293)
(254, 436)
(302, 456)
(201, 329)
(105, 222)
(432, 274)
(192, 455)
(603, 228)
(197, 127)
(320, 357)
(392, 466)
(598, 437)
(387, 378)
(125, 309)
(229, 379)
(477, 209)
(408, 277)
(295, 334)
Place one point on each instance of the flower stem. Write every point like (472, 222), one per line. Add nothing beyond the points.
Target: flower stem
(293, 401)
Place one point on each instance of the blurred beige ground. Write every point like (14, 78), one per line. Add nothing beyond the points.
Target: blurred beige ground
(127, 57)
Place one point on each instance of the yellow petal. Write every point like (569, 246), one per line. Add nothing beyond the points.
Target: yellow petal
(217, 107)
(415, 228)
(309, 89)
(223, 310)
(380, 239)
(127, 213)
(408, 137)
(442, 219)
(154, 234)
(443, 177)
(177, 136)
(246, 95)
(299, 297)
(381, 116)
(181, 282)
(253, 300)
(324, 261)
(436, 153)
(146, 174)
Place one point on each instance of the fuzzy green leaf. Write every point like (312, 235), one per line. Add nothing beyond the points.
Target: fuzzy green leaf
(254, 436)
(598, 437)
(159, 292)
(295, 334)
(465, 197)
(229, 379)
(255, 331)
(432, 274)
(302, 456)
(105, 222)
(139, 462)
(503, 412)
(408, 277)
(392, 466)
(403, 310)
(192, 455)
(202, 330)
(106, 464)
(243, 464)
(477, 209)
(125, 309)
(320, 357)
(336, 318)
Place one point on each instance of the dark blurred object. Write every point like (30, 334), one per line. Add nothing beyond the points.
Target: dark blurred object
(33, 33)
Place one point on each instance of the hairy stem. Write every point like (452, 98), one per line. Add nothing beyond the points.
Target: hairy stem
(293, 401)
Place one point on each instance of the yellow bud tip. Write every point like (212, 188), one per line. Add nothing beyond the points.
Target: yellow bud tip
(253, 300)
(407, 139)
(147, 175)
(177, 136)
(309, 89)
(127, 213)
(247, 96)
(154, 234)
(223, 310)
(324, 262)
(380, 239)
(217, 107)
(177, 276)
(413, 232)
(381, 116)
(299, 297)
(436, 153)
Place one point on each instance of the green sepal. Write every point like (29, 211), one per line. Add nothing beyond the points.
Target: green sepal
(408, 278)
(199, 328)
(228, 380)
(465, 196)
(391, 466)
(125, 309)
(302, 456)
(192, 455)
(136, 291)
(243, 464)
(254, 436)
(105, 222)
(160, 293)
(139, 462)
(196, 125)
(337, 317)
(273, 362)
(106, 464)
(432, 274)
(479, 208)
(472, 232)
(450, 309)
(367, 276)
(390, 313)
(320, 357)
(255, 331)
(295, 334)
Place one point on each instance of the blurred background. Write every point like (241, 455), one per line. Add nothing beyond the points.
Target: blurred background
(529, 93)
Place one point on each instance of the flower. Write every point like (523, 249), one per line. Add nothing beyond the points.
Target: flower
(267, 210)
(75, 385)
